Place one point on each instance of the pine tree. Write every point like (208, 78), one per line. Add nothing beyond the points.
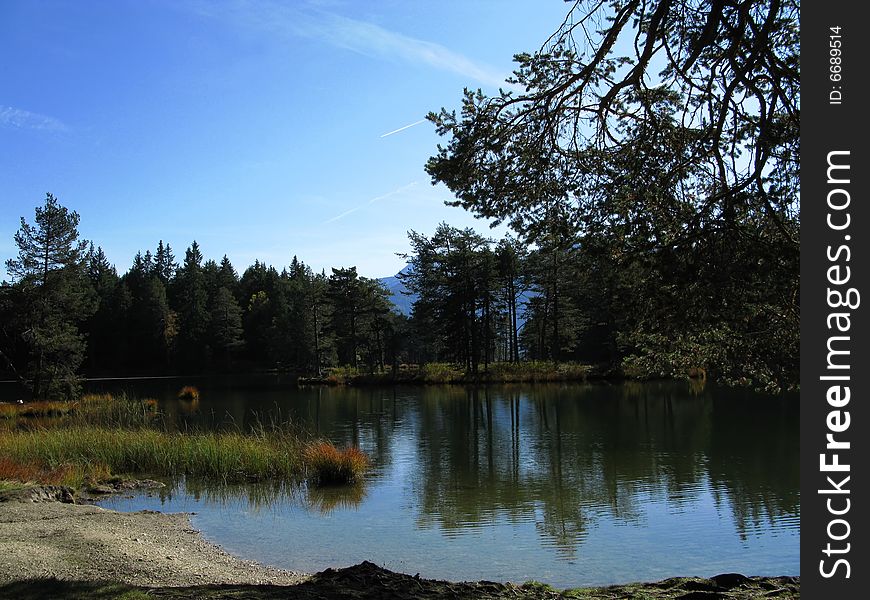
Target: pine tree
(225, 325)
(193, 309)
(164, 263)
(102, 326)
(56, 297)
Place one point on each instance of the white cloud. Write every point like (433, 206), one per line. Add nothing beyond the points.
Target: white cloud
(17, 118)
(358, 36)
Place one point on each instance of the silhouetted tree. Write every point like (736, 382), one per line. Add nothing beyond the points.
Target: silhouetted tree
(54, 297)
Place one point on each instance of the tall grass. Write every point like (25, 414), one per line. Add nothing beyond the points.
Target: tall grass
(73, 475)
(42, 408)
(102, 434)
(94, 409)
(226, 456)
(536, 371)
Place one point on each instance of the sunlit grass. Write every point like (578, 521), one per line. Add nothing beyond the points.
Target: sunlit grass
(325, 464)
(226, 456)
(103, 435)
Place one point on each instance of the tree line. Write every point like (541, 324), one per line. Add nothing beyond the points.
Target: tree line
(653, 194)
(68, 311)
(476, 301)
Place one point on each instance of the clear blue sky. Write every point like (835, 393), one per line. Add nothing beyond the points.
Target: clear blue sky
(255, 127)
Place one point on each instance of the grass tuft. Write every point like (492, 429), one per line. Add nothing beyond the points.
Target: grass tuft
(188, 392)
(327, 465)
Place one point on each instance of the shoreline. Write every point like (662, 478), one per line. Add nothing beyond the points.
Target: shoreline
(52, 547)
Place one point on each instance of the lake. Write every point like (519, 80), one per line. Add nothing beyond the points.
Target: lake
(569, 484)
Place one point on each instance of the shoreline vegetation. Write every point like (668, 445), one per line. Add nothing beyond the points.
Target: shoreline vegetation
(441, 373)
(529, 372)
(101, 438)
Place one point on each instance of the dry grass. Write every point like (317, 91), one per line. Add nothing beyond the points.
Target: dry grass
(90, 408)
(188, 392)
(69, 474)
(327, 465)
(41, 408)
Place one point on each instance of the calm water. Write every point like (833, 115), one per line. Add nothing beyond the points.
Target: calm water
(566, 484)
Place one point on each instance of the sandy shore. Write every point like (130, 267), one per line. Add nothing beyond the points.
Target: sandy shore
(52, 548)
(72, 541)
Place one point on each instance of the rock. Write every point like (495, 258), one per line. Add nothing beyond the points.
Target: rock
(699, 595)
(730, 580)
(39, 493)
(698, 586)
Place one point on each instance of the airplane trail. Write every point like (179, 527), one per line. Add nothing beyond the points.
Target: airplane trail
(403, 128)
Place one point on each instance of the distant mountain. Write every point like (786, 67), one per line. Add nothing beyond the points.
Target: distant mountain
(396, 288)
(404, 301)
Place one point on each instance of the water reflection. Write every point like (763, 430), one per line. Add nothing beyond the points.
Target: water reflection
(329, 498)
(618, 468)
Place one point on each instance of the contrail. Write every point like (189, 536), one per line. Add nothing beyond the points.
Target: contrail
(372, 201)
(403, 128)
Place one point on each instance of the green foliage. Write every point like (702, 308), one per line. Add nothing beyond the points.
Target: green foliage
(360, 324)
(193, 321)
(225, 324)
(661, 204)
(454, 274)
(49, 298)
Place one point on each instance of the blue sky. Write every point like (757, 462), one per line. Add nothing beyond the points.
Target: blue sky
(255, 127)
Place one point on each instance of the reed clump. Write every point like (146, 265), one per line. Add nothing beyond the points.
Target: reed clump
(325, 464)
(188, 392)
